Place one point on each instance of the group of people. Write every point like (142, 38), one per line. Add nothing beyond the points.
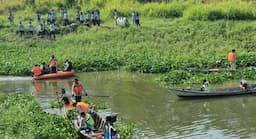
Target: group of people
(41, 69)
(41, 29)
(232, 64)
(124, 20)
(92, 17)
(206, 87)
(85, 121)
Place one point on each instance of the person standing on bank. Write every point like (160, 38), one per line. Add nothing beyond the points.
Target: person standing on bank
(115, 16)
(21, 29)
(78, 90)
(232, 59)
(30, 29)
(11, 17)
(52, 30)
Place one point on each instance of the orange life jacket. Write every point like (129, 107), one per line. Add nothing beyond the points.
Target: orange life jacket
(78, 89)
(36, 70)
(53, 62)
(231, 57)
(83, 106)
(69, 106)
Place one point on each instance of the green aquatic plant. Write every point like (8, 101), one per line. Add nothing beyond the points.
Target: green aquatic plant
(31, 121)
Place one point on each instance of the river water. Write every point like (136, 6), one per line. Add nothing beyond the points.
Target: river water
(156, 112)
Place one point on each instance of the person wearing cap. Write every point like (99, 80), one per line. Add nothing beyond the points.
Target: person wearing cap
(243, 84)
(205, 86)
(68, 65)
(78, 90)
(232, 59)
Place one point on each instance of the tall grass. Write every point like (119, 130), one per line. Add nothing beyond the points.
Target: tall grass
(230, 10)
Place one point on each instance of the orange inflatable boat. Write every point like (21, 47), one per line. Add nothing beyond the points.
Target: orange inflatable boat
(59, 74)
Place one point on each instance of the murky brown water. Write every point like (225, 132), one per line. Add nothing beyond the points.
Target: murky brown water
(156, 112)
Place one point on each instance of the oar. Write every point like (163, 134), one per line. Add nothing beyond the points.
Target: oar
(98, 96)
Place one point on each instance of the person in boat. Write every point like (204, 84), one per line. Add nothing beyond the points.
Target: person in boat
(87, 122)
(78, 90)
(53, 64)
(67, 103)
(36, 70)
(205, 86)
(232, 59)
(68, 65)
(243, 84)
(43, 68)
(81, 107)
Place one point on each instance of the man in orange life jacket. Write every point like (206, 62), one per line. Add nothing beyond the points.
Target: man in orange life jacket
(36, 70)
(53, 64)
(78, 90)
(232, 59)
(81, 107)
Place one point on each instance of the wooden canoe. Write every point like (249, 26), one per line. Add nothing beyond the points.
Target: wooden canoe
(59, 74)
(99, 126)
(212, 70)
(212, 93)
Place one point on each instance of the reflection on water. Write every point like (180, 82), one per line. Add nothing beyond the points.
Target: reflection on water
(156, 112)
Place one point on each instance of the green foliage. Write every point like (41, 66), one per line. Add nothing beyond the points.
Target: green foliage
(176, 77)
(31, 122)
(230, 10)
(167, 46)
(170, 10)
(72, 113)
(127, 131)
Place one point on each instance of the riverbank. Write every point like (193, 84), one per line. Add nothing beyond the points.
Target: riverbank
(164, 44)
(22, 117)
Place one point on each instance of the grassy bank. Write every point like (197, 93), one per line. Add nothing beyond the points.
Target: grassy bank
(31, 121)
(173, 38)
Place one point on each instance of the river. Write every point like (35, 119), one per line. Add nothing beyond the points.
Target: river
(156, 112)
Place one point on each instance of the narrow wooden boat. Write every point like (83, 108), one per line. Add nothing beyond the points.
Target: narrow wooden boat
(59, 74)
(99, 126)
(213, 93)
(212, 70)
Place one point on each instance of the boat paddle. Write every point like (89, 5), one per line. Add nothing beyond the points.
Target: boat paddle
(97, 96)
